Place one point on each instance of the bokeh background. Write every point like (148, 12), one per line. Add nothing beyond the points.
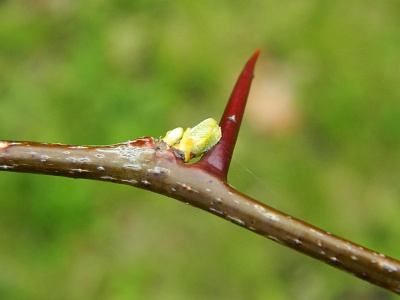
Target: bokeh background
(320, 141)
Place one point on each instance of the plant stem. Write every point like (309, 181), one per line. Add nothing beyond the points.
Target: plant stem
(147, 163)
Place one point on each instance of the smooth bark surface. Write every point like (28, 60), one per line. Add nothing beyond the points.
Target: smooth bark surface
(149, 164)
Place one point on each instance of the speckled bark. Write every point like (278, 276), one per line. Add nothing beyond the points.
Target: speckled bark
(149, 164)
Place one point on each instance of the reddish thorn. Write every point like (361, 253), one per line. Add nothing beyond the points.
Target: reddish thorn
(218, 159)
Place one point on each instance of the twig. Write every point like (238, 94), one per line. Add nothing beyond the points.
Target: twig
(150, 164)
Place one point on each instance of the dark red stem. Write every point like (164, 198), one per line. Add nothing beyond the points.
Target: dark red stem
(218, 159)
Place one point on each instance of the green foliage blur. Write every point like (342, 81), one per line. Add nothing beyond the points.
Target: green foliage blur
(103, 72)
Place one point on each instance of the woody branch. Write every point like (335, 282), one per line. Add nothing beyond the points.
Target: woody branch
(150, 164)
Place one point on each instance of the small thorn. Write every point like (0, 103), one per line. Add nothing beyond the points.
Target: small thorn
(218, 159)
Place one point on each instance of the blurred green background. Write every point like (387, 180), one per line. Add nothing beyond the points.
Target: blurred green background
(320, 141)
